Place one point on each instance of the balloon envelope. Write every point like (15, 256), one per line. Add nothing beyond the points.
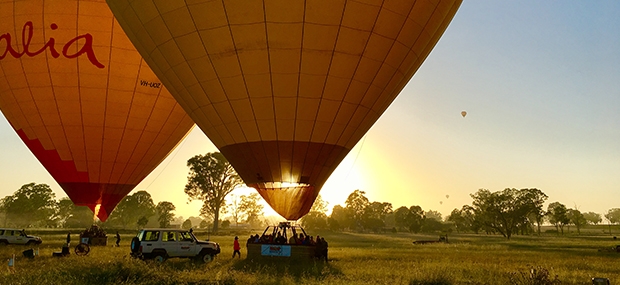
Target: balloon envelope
(463, 113)
(285, 88)
(83, 100)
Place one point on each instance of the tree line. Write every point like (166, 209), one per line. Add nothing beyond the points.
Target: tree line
(507, 212)
(211, 179)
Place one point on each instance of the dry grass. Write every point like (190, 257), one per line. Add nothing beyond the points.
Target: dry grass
(354, 259)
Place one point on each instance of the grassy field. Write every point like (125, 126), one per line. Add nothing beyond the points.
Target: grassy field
(354, 259)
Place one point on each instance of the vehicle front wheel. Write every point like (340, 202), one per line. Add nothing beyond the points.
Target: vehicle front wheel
(206, 258)
(4, 242)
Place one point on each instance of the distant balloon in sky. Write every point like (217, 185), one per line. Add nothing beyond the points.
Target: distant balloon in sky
(83, 100)
(447, 196)
(440, 202)
(285, 89)
(463, 113)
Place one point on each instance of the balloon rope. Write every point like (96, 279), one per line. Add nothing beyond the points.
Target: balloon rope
(356, 156)
(176, 151)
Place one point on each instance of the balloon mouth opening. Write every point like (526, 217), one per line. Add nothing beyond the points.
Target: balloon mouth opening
(279, 185)
(96, 213)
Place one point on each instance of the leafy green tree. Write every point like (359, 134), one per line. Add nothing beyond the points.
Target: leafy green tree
(251, 208)
(557, 214)
(535, 200)
(459, 221)
(131, 209)
(211, 178)
(374, 215)
(165, 215)
(317, 217)
(410, 218)
(613, 217)
(430, 214)
(204, 224)
(503, 211)
(142, 221)
(577, 219)
(355, 206)
(592, 218)
(31, 205)
(187, 224)
(339, 219)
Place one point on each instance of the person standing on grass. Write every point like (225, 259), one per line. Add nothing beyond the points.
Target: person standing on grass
(236, 247)
(68, 239)
(118, 239)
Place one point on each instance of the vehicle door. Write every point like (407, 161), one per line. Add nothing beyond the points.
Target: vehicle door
(187, 244)
(17, 237)
(169, 241)
(149, 240)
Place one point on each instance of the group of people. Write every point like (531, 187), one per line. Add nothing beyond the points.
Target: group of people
(300, 239)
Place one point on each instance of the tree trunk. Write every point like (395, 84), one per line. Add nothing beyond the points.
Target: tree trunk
(216, 219)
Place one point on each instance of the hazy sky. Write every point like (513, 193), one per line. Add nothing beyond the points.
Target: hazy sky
(540, 81)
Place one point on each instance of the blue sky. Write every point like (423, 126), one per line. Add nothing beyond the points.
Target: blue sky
(540, 83)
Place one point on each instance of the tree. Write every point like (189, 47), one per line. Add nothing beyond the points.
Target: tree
(187, 224)
(251, 208)
(317, 217)
(132, 208)
(503, 211)
(31, 205)
(459, 221)
(71, 216)
(410, 218)
(558, 215)
(355, 205)
(592, 218)
(142, 221)
(577, 219)
(430, 214)
(374, 215)
(211, 178)
(164, 213)
(204, 224)
(338, 219)
(613, 217)
(535, 198)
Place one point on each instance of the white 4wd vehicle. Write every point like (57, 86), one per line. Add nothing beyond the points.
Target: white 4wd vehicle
(15, 236)
(161, 244)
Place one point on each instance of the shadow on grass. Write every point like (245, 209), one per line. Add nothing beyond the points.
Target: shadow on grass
(298, 269)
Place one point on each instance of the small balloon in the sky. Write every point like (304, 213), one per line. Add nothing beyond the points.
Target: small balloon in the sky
(463, 113)
(447, 196)
(440, 202)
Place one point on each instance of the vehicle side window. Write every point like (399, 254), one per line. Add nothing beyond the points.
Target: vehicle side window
(1, 232)
(11, 233)
(168, 236)
(150, 236)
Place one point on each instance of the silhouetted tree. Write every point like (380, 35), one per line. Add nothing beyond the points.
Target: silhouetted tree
(317, 217)
(355, 205)
(592, 218)
(131, 209)
(211, 178)
(31, 205)
(165, 215)
(557, 214)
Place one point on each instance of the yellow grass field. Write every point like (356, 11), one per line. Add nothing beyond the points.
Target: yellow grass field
(354, 258)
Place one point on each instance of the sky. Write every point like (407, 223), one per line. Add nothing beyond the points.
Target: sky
(539, 81)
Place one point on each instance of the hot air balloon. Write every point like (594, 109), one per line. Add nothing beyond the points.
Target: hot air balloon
(83, 100)
(285, 88)
(463, 113)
